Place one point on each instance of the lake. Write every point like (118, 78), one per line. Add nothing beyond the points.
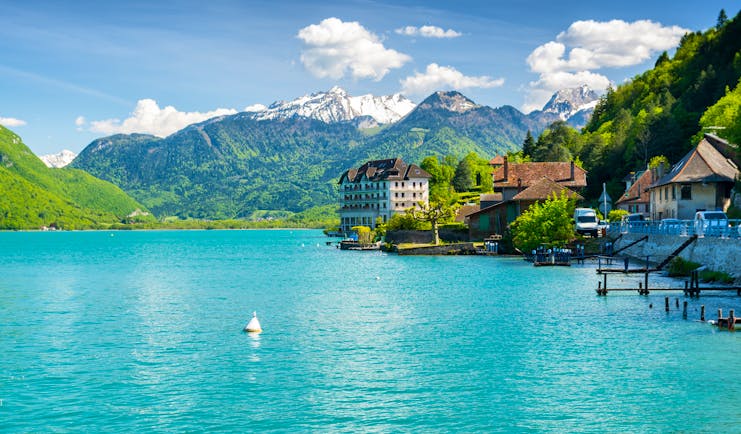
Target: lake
(142, 331)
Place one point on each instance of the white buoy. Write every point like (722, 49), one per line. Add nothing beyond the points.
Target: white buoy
(254, 325)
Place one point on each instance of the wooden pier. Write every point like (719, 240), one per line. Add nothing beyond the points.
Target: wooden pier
(691, 287)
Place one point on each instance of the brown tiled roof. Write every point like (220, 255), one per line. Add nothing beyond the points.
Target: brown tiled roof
(637, 191)
(530, 173)
(497, 161)
(465, 211)
(491, 197)
(544, 188)
(702, 164)
(393, 169)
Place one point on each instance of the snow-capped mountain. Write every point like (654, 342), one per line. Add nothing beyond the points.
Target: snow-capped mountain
(566, 103)
(58, 160)
(336, 105)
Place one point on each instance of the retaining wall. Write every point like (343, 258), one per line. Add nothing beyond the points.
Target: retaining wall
(719, 254)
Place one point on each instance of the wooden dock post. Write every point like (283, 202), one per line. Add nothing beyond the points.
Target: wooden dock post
(720, 315)
(702, 313)
(684, 310)
(645, 280)
(604, 279)
(731, 320)
(666, 304)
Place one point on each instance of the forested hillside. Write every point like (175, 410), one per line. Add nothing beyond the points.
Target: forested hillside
(33, 195)
(662, 112)
(659, 112)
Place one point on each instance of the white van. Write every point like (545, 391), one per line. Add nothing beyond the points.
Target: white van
(585, 221)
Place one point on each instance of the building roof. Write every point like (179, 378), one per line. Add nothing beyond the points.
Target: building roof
(637, 191)
(464, 211)
(392, 169)
(702, 164)
(491, 197)
(544, 188)
(529, 173)
(496, 161)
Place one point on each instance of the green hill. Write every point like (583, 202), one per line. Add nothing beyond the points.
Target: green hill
(33, 195)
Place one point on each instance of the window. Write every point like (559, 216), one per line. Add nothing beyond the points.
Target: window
(396, 184)
(414, 185)
(402, 185)
(674, 191)
(402, 194)
(686, 192)
(396, 194)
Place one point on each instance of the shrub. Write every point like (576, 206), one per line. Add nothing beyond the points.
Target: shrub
(681, 267)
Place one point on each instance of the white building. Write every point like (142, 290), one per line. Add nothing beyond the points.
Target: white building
(380, 189)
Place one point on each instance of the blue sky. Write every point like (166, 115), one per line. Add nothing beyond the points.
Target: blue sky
(74, 71)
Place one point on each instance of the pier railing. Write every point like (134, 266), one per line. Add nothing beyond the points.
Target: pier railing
(730, 228)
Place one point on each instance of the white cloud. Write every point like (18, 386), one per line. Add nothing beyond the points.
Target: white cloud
(428, 32)
(255, 108)
(334, 47)
(438, 77)
(149, 118)
(80, 121)
(591, 45)
(12, 122)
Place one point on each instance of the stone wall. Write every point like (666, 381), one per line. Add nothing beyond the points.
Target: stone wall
(446, 249)
(719, 254)
(425, 237)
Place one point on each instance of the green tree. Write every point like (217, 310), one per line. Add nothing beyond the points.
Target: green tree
(724, 117)
(559, 142)
(442, 175)
(365, 234)
(463, 179)
(528, 146)
(722, 18)
(433, 213)
(657, 161)
(402, 221)
(616, 215)
(546, 222)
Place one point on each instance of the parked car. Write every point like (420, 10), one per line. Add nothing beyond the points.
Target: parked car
(671, 226)
(603, 224)
(585, 221)
(711, 223)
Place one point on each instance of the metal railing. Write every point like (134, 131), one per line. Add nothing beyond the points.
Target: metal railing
(730, 228)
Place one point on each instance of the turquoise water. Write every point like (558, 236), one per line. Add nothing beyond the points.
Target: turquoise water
(141, 331)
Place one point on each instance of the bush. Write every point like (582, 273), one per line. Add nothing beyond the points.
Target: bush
(680, 267)
(715, 276)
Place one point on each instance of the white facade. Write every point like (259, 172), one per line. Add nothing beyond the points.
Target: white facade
(364, 201)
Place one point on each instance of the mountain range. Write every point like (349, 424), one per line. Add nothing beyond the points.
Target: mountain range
(288, 156)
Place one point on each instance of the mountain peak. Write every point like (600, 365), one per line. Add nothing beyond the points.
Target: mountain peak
(453, 101)
(58, 160)
(568, 102)
(336, 105)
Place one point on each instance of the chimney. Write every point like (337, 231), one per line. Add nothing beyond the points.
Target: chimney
(661, 170)
(506, 169)
(572, 171)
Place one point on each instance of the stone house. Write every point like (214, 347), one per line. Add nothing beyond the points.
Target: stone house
(636, 198)
(702, 180)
